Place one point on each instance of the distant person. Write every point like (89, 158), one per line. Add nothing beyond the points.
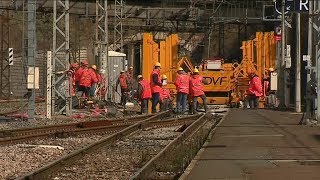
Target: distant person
(123, 81)
(182, 86)
(144, 93)
(197, 90)
(254, 91)
(165, 95)
(94, 72)
(73, 69)
(156, 84)
(130, 77)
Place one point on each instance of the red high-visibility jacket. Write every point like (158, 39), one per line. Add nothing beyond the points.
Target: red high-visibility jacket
(146, 89)
(165, 94)
(196, 86)
(155, 88)
(78, 74)
(182, 83)
(87, 78)
(94, 73)
(255, 86)
(123, 81)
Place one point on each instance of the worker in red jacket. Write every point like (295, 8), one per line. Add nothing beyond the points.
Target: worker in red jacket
(93, 71)
(73, 69)
(83, 64)
(123, 81)
(129, 74)
(156, 84)
(164, 95)
(197, 90)
(144, 93)
(255, 90)
(87, 78)
(182, 86)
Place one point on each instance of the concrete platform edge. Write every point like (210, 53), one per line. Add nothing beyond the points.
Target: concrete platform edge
(194, 161)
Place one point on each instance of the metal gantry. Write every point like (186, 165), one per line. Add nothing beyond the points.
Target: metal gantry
(4, 55)
(101, 45)
(118, 29)
(61, 95)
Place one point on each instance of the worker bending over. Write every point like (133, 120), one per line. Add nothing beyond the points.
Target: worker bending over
(182, 86)
(197, 90)
(255, 90)
(86, 79)
(165, 95)
(123, 81)
(144, 93)
(156, 84)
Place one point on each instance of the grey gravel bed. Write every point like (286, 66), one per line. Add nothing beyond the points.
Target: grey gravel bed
(21, 158)
(121, 160)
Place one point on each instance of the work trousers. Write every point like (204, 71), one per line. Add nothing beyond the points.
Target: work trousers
(144, 106)
(164, 104)
(182, 101)
(253, 101)
(123, 100)
(92, 90)
(85, 90)
(195, 103)
(155, 101)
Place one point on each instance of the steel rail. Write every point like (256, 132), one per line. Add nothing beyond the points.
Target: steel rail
(69, 126)
(109, 129)
(151, 164)
(78, 154)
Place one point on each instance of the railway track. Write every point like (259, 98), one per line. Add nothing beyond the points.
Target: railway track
(64, 130)
(191, 123)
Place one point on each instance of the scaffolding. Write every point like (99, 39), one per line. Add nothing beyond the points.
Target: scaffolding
(60, 61)
(4, 55)
(102, 32)
(118, 28)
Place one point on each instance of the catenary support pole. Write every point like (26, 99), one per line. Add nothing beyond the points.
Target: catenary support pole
(298, 66)
(282, 82)
(31, 54)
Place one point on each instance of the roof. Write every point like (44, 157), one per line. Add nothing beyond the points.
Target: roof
(116, 54)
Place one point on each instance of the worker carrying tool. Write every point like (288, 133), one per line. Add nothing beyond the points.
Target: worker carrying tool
(144, 93)
(182, 86)
(197, 90)
(156, 86)
(94, 72)
(164, 95)
(255, 90)
(87, 78)
(123, 81)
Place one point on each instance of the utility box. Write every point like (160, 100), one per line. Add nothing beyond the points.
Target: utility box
(115, 64)
(33, 77)
(274, 81)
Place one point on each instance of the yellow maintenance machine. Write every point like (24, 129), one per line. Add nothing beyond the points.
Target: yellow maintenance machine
(227, 82)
